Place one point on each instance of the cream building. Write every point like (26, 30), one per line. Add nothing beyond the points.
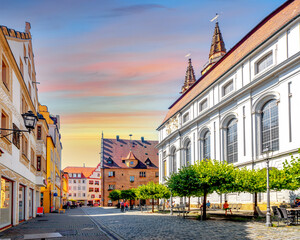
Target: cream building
(20, 180)
(246, 100)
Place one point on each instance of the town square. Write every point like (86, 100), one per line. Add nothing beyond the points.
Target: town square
(150, 120)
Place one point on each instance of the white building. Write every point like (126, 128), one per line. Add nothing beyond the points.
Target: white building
(19, 172)
(84, 184)
(246, 99)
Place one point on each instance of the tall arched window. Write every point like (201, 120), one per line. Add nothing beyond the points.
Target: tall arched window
(174, 161)
(232, 142)
(188, 154)
(269, 126)
(206, 145)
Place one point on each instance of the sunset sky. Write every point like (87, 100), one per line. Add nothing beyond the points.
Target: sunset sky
(116, 66)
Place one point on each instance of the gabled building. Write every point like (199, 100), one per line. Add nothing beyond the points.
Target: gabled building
(126, 164)
(21, 176)
(245, 102)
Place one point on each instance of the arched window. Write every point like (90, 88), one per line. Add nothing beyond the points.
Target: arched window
(232, 142)
(173, 161)
(188, 154)
(269, 126)
(206, 145)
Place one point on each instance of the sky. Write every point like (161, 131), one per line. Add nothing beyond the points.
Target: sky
(116, 66)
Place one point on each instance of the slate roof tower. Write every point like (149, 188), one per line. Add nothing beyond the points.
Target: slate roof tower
(190, 78)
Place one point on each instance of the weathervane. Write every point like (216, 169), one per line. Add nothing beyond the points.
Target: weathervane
(215, 18)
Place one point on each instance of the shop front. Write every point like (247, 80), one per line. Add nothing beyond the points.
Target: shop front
(6, 209)
(21, 203)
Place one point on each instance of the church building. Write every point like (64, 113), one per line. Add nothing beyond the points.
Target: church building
(244, 102)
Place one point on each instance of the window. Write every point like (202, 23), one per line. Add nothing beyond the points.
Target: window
(186, 117)
(5, 76)
(70, 194)
(70, 175)
(265, 62)
(269, 126)
(142, 174)
(74, 188)
(131, 178)
(83, 187)
(29, 69)
(21, 67)
(70, 181)
(111, 187)
(111, 174)
(164, 168)
(83, 194)
(156, 174)
(79, 181)
(232, 143)
(203, 105)
(109, 160)
(4, 124)
(24, 105)
(39, 133)
(24, 146)
(74, 175)
(206, 145)
(16, 137)
(79, 194)
(38, 163)
(91, 189)
(74, 181)
(74, 194)
(91, 182)
(98, 175)
(228, 87)
(79, 188)
(188, 154)
(96, 189)
(32, 157)
(79, 175)
(83, 181)
(174, 160)
(96, 182)
(93, 196)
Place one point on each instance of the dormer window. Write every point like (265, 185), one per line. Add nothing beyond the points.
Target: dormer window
(203, 105)
(228, 87)
(148, 161)
(186, 117)
(264, 62)
(109, 160)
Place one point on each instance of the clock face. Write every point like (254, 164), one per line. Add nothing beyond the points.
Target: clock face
(131, 163)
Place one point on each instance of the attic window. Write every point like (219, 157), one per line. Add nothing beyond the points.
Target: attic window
(145, 146)
(123, 161)
(148, 162)
(121, 145)
(146, 153)
(109, 160)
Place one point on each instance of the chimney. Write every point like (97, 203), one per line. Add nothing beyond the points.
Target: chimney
(142, 138)
(83, 164)
(118, 138)
(27, 27)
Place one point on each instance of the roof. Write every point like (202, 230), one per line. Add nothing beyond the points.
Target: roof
(85, 171)
(265, 29)
(118, 150)
(190, 78)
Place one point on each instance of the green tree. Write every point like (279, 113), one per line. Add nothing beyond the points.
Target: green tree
(291, 171)
(115, 195)
(214, 176)
(152, 191)
(185, 183)
(128, 194)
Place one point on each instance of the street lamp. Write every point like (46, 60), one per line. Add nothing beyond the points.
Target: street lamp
(267, 152)
(30, 121)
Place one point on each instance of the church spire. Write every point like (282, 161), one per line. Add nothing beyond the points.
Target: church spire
(190, 78)
(217, 49)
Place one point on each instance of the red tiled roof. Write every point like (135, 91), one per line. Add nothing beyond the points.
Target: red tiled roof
(266, 28)
(117, 150)
(85, 171)
(130, 156)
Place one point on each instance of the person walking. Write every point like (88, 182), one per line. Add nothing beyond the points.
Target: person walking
(126, 206)
(226, 207)
(122, 206)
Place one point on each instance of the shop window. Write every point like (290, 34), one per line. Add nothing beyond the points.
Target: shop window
(6, 203)
(21, 203)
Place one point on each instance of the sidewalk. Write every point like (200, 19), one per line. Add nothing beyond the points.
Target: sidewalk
(74, 224)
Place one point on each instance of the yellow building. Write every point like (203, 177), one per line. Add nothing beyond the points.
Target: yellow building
(52, 197)
(65, 187)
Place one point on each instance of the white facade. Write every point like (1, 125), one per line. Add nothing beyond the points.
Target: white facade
(252, 83)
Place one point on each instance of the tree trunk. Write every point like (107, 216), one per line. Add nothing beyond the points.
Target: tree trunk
(255, 213)
(204, 207)
(157, 204)
(189, 204)
(153, 205)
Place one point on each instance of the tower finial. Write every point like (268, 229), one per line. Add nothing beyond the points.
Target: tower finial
(190, 78)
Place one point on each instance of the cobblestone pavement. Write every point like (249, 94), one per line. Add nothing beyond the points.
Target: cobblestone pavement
(136, 225)
(74, 224)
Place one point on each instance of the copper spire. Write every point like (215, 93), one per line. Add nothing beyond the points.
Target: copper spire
(189, 77)
(217, 49)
